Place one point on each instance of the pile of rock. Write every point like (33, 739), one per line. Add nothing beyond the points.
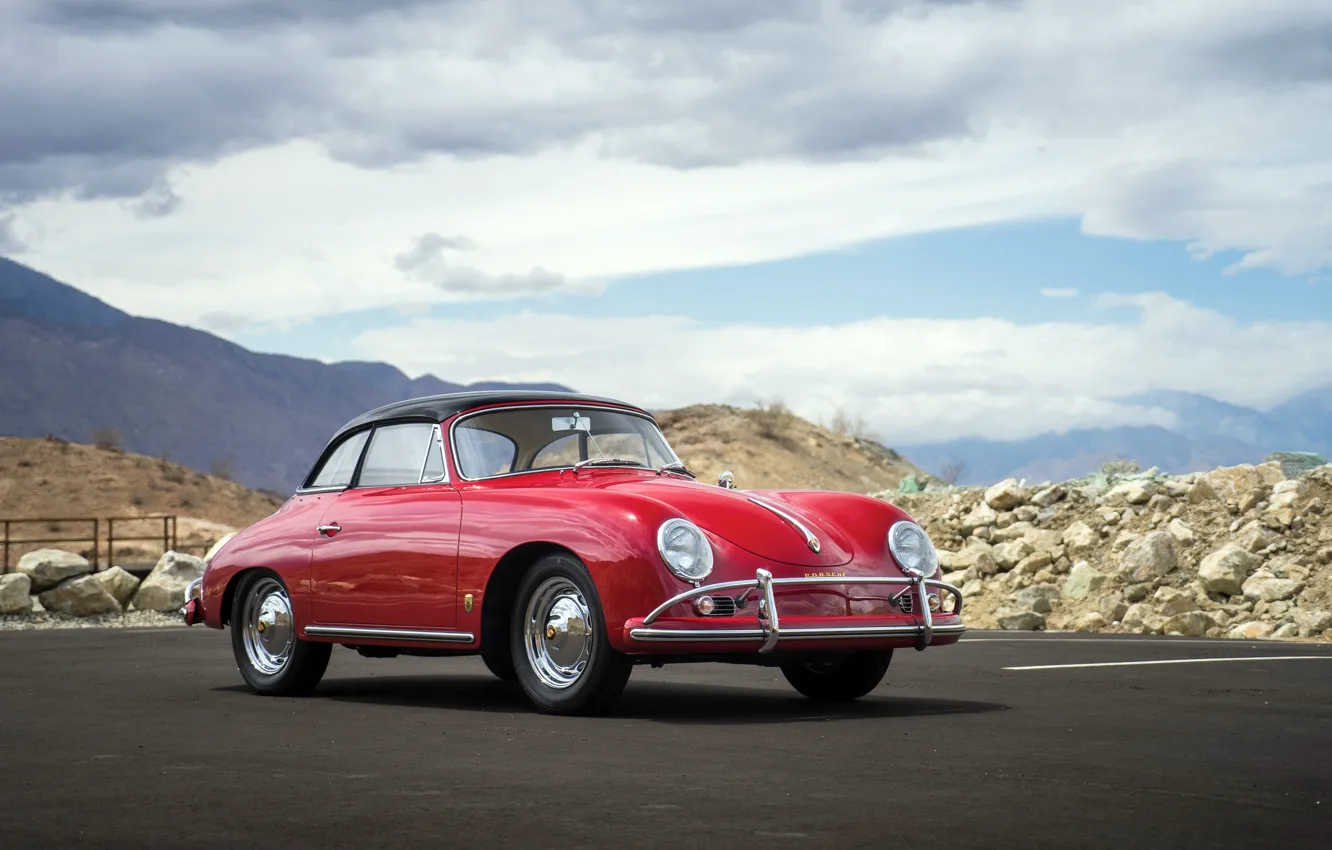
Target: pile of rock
(65, 583)
(1240, 552)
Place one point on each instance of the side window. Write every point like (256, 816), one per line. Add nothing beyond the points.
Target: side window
(434, 463)
(337, 470)
(397, 455)
(483, 453)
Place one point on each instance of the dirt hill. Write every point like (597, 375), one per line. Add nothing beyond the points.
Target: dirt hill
(42, 479)
(770, 447)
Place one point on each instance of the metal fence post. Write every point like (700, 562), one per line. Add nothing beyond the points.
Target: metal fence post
(97, 537)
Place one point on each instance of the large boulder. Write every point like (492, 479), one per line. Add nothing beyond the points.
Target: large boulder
(1262, 586)
(1252, 630)
(48, 567)
(1190, 623)
(164, 588)
(1007, 495)
(1021, 621)
(119, 583)
(1225, 570)
(14, 589)
(1131, 493)
(1255, 537)
(1038, 598)
(1082, 581)
(1008, 555)
(1080, 537)
(981, 516)
(80, 597)
(1171, 601)
(1236, 482)
(1182, 534)
(1150, 556)
(1313, 623)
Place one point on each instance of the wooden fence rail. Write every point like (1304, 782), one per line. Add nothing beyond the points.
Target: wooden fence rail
(94, 526)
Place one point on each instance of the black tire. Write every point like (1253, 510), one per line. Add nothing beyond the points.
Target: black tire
(604, 673)
(500, 663)
(302, 666)
(839, 679)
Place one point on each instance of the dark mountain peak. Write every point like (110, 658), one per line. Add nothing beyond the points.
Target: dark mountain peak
(29, 294)
(75, 366)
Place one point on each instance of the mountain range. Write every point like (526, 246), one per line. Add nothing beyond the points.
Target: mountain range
(76, 368)
(1206, 433)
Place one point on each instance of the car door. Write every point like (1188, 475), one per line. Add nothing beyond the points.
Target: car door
(387, 552)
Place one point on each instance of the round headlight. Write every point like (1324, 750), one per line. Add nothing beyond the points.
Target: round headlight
(912, 549)
(684, 549)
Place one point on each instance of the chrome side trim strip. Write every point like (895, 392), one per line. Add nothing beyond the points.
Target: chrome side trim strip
(390, 634)
(823, 633)
(810, 540)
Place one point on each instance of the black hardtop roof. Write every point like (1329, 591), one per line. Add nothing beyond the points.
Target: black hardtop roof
(441, 407)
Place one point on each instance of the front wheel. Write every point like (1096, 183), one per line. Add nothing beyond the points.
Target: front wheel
(272, 660)
(841, 679)
(561, 654)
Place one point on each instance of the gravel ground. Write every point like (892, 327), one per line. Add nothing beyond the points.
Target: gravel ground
(128, 620)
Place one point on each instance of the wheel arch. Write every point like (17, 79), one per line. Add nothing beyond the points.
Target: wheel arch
(234, 582)
(502, 587)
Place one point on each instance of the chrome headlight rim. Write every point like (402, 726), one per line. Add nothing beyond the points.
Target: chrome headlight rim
(916, 569)
(705, 559)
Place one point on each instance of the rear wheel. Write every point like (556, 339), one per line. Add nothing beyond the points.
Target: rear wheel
(558, 643)
(839, 679)
(272, 660)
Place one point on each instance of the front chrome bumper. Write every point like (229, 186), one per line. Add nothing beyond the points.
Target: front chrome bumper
(192, 610)
(769, 629)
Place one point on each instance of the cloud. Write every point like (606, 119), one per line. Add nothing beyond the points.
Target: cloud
(818, 121)
(914, 380)
(426, 261)
(1060, 293)
(10, 242)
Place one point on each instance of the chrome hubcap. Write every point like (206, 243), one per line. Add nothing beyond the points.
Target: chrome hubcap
(558, 633)
(268, 632)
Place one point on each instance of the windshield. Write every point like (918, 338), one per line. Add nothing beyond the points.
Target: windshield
(523, 439)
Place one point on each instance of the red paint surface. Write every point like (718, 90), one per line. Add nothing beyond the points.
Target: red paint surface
(406, 556)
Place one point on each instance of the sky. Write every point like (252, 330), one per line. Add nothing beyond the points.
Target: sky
(945, 218)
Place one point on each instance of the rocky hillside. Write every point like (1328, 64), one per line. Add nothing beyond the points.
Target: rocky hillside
(770, 447)
(1242, 552)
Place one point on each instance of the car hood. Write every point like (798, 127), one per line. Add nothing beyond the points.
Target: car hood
(749, 521)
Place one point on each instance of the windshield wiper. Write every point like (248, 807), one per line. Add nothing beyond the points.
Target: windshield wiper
(606, 461)
(676, 466)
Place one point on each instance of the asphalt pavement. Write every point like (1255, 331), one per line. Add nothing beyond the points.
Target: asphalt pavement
(120, 738)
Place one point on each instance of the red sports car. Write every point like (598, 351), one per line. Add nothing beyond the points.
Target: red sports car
(559, 537)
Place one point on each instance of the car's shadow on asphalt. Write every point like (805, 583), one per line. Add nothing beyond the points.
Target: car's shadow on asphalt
(662, 702)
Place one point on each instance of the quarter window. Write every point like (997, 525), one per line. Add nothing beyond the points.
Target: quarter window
(397, 455)
(338, 468)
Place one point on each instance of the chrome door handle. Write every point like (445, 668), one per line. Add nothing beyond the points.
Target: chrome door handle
(329, 530)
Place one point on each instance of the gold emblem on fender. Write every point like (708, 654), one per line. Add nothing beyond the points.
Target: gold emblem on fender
(825, 575)
(467, 602)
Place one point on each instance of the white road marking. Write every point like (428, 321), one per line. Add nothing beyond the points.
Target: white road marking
(1175, 661)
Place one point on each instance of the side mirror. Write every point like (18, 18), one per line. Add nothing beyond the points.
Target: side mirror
(726, 480)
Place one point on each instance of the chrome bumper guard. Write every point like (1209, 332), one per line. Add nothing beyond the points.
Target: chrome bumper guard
(770, 630)
(192, 609)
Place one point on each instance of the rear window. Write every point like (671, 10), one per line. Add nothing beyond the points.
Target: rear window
(338, 468)
(397, 455)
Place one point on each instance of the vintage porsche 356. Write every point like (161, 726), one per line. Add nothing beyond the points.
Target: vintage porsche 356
(559, 537)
